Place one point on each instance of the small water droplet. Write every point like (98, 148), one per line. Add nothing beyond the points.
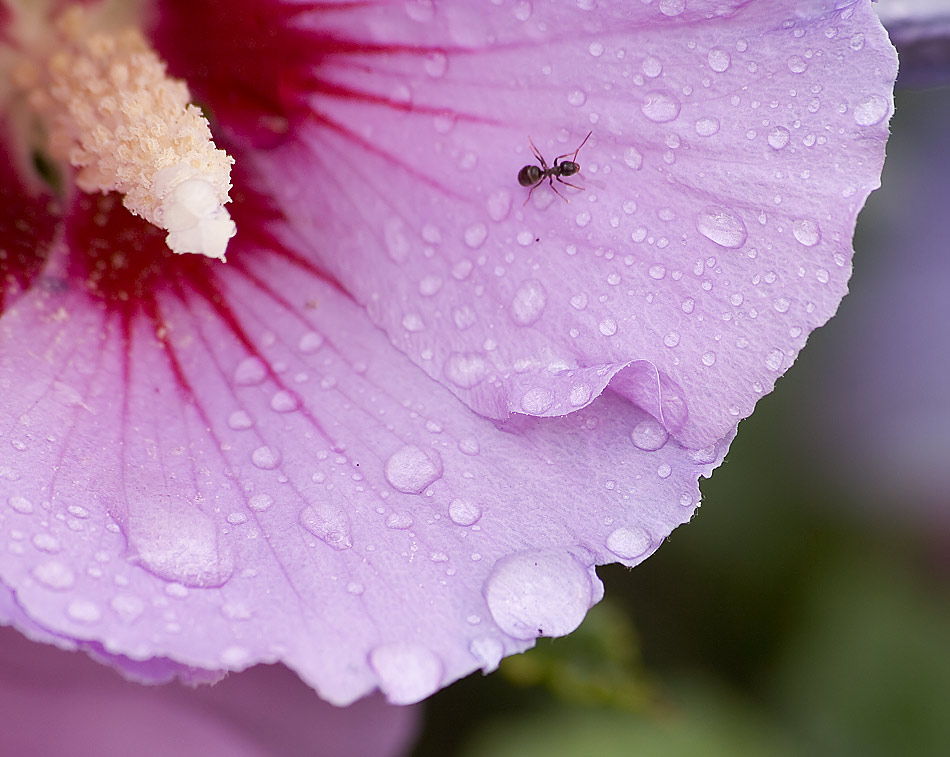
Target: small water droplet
(310, 342)
(629, 542)
(127, 607)
(672, 7)
(265, 458)
(54, 575)
(260, 502)
(464, 512)
(718, 59)
(528, 302)
(329, 523)
(488, 651)
(407, 672)
(797, 64)
(250, 372)
(399, 521)
(660, 107)
(649, 435)
(806, 232)
(633, 158)
(411, 469)
(707, 126)
(46, 543)
(466, 370)
(652, 67)
(284, 402)
(580, 395)
(722, 226)
(607, 326)
(778, 137)
(542, 592)
(476, 235)
(83, 611)
(537, 401)
(871, 110)
(239, 420)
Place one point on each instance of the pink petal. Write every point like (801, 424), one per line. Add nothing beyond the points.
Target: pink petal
(55, 702)
(213, 466)
(733, 145)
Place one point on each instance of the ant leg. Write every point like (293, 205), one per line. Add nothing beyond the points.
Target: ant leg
(569, 184)
(551, 182)
(537, 154)
(574, 155)
(535, 186)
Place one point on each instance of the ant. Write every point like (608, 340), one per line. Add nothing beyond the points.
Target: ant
(532, 176)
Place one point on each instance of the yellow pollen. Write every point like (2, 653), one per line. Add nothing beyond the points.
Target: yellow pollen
(126, 126)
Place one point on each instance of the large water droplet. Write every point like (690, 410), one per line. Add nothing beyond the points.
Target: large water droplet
(541, 592)
(407, 672)
(466, 370)
(778, 137)
(174, 540)
(649, 435)
(871, 110)
(250, 371)
(718, 59)
(537, 401)
(806, 232)
(463, 512)
(328, 523)
(412, 469)
(528, 302)
(722, 226)
(54, 575)
(629, 543)
(20, 504)
(660, 107)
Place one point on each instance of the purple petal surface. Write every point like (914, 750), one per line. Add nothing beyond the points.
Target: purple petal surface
(733, 145)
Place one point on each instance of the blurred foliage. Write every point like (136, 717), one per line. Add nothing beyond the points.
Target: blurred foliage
(787, 618)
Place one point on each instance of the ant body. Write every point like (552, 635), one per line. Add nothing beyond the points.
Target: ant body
(532, 176)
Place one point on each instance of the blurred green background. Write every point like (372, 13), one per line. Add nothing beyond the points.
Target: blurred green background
(804, 609)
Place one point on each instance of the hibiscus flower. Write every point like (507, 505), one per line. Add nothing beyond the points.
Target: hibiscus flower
(388, 442)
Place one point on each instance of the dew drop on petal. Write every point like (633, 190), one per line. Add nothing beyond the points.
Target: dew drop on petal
(806, 232)
(83, 611)
(707, 126)
(54, 575)
(488, 651)
(265, 458)
(464, 512)
(399, 521)
(407, 672)
(633, 158)
(412, 469)
(778, 137)
(871, 110)
(628, 543)
(466, 370)
(722, 226)
(660, 107)
(542, 592)
(537, 401)
(649, 435)
(528, 302)
(250, 372)
(21, 504)
(718, 59)
(328, 523)
(260, 502)
(310, 342)
(174, 540)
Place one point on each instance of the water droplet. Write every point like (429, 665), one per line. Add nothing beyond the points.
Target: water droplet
(174, 540)
(706, 127)
(580, 395)
(260, 502)
(633, 158)
(400, 521)
(475, 235)
(127, 607)
(310, 342)
(871, 110)
(629, 543)
(250, 372)
(774, 360)
(607, 327)
(265, 458)
(83, 611)
(284, 402)
(652, 67)
(46, 543)
(797, 64)
(396, 243)
(499, 204)
(239, 420)
(709, 359)
(355, 588)
(407, 672)
(54, 575)
(328, 523)
(722, 226)
(778, 137)
(543, 592)
(649, 435)
(537, 401)
(528, 302)
(235, 657)
(466, 370)
(806, 232)
(488, 651)
(469, 446)
(672, 7)
(660, 107)
(664, 471)
(577, 97)
(411, 470)
(718, 59)
(464, 512)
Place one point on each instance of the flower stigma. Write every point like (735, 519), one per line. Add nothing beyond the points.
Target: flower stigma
(110, 110)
